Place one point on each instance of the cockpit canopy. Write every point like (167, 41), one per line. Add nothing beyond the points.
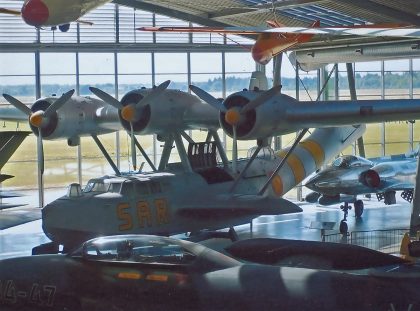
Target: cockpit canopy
(137, 248)
(102, 185)
(350, 161)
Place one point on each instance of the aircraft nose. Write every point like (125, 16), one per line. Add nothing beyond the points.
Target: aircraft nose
(260, 56)
(35, 13)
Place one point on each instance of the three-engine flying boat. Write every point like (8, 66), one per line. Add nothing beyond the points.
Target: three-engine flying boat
(201, 191)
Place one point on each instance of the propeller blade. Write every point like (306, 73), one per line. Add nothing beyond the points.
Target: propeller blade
(209, 99)
(234, 150)
(261, 99)
(18, 104)
(58, 103)
(153, 94)
(40, 152)
(133, 147)
(106, 97)
(10, 12)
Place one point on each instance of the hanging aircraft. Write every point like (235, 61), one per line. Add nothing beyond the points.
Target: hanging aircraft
(226, 193)
(53, 13)
(144, 272)
(278, 38)
(350, 176)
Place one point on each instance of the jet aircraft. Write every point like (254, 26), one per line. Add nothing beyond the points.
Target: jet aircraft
(53, 13)
(349, 176)
(138, 272)
(279, 38)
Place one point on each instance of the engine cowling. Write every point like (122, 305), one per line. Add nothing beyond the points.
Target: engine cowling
(173, 110)
(370, 178)
(83, 116)
(264, 121)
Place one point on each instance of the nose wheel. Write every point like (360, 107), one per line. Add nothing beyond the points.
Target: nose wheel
(343, 224)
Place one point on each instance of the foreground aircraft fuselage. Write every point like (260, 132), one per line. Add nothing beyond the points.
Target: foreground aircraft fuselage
(158, 274)
(175, 201)
(352, 176)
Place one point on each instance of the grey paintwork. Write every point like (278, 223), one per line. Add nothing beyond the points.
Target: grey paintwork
(346, 176)
(176, 201)
(283, 114)
(156, 273)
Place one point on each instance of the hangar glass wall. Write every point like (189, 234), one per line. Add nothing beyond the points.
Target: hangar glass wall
(104, 56)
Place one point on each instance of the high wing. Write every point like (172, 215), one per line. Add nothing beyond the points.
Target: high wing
(324, 113)
(332, 31)
(224, 206)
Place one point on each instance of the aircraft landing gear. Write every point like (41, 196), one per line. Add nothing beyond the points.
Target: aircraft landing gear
(64, 27)
(389, 198)
(343, 227)
(358, 208)
(343, 224)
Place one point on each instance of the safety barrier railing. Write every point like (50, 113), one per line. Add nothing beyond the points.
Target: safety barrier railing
(387, 241)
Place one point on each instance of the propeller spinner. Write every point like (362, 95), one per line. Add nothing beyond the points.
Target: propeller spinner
(40, 119)
(236, 115)
(132, 112)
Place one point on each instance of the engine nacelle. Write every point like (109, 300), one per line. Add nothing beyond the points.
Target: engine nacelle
(266, 120)
(80, 116)
(370, 178)
(173, 110)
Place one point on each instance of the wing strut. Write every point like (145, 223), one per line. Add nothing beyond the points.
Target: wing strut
(297, 141)
(106, 155)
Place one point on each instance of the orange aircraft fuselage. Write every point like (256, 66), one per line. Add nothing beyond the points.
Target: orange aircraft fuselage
(269, 45)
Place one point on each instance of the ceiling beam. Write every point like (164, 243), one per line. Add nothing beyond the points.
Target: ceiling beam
(279, 5)
(384, 10)
(140, 5)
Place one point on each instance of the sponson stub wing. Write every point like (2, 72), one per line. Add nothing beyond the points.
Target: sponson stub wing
(229, 206)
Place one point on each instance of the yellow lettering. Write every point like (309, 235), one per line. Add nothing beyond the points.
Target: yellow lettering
(125, 216)
(162, 212)
(143, 213)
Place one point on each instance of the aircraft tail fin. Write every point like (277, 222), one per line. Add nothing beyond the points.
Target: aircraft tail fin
(9, 142)
(258, 80)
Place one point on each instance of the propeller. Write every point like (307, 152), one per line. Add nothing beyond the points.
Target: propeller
(234, 116)
(132, 112)
(40, 119)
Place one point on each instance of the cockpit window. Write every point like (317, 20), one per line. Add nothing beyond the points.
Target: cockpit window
(127, 188)
(114, 187)
(96, 186)
(350, 161)
(142, 250)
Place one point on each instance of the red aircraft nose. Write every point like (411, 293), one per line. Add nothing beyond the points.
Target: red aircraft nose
(35, 13)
